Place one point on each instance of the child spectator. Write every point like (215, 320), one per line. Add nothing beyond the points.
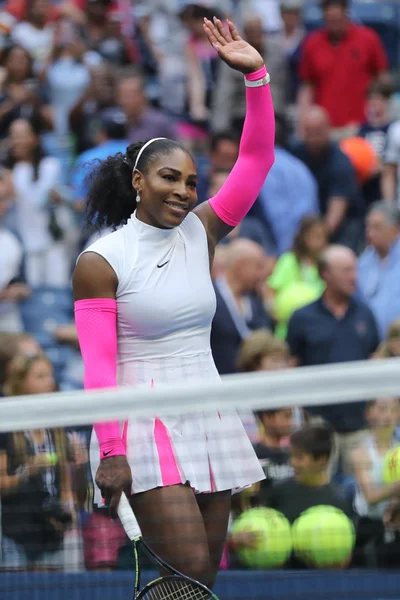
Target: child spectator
(261, 351)
(373, 494)
(375, 130)
(310, 450)
(377, 122)
(273, 449)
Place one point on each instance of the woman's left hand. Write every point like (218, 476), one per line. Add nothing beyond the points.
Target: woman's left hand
(233, 50)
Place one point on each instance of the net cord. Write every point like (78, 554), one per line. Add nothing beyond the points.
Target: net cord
(307, 386)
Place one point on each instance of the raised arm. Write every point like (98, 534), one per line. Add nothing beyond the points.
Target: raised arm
(256, 156)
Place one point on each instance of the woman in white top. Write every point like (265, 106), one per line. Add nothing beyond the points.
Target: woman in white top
(34, 176)
(144, 307)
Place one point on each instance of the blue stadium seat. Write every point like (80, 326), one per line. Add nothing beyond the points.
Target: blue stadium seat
(44, 310)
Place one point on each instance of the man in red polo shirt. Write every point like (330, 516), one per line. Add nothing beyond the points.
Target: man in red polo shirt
(339, 63)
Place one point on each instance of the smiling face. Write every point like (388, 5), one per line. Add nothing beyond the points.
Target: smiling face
(167, 188)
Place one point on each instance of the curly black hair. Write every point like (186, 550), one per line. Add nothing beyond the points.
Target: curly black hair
(111, 198)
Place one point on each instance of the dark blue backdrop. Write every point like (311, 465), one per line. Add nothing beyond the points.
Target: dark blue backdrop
(234, 585)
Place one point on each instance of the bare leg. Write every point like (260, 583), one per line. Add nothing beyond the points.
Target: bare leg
(172, 524)
(215, 509)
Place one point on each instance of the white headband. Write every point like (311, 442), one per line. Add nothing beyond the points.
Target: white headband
(143, 148)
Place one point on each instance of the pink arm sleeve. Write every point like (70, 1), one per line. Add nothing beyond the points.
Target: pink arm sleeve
(256, 156)
(96, 324)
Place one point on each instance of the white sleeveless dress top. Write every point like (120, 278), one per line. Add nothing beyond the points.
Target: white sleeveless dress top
(165, 306)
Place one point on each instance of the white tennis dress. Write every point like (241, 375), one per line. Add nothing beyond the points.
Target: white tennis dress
(165, 306)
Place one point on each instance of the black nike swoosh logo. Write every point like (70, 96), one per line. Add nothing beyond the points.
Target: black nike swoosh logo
(107, 453)
(163, 265)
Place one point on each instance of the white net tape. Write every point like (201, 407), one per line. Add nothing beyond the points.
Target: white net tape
(308, 386)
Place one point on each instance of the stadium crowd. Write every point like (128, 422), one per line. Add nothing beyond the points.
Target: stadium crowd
(310, 277)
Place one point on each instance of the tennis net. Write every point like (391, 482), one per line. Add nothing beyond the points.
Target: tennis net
(58, 540)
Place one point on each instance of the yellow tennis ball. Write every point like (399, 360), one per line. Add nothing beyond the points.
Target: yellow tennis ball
(391, 466)
(52, 458)
(323, 536)
(274, 543)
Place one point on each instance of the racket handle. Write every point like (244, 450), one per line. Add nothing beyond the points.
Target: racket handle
(128, 519)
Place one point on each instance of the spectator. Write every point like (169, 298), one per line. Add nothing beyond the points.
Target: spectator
(262, 352)
(67, 77)
(295, 276)
(12, 289)
(293, 34)
(336, 328)
(18, 9)
(110, 138)
(375, 128)
(379, 265)
(289, 194)
(390, 348)
(339, 63)
(201, 62)
(340, 200)
(230, 99)
(240, 308)
(102, 34)
(34, 176)
(14, 344)
(35, 34)
(20, 94)
(391, 168)
(224, 151)
(35, 488)
(144, 122)
(373, 494)
(99, 96)
(310, 450)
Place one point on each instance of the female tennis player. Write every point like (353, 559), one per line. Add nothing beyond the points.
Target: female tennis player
(144, 307)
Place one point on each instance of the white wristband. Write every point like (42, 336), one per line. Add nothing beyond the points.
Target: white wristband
(258, 82)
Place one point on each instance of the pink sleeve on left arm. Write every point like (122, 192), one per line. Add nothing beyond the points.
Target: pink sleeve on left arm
(256, 156)
(96, 324)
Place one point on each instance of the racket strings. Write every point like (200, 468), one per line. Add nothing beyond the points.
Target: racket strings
(176, 590)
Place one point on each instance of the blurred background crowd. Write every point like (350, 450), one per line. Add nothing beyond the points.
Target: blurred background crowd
(310, 277)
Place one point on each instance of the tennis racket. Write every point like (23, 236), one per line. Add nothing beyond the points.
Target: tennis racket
(171, 587)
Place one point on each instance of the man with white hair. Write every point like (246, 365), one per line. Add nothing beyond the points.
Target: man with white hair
(379, 265)
(336, 328)
(240, 308)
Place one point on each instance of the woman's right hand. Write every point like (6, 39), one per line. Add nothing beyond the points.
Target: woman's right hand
(114, 477)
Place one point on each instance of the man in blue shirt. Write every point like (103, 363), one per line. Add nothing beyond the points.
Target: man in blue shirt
(110, 139)
(379, 265)
(340, 198)
(336, 328)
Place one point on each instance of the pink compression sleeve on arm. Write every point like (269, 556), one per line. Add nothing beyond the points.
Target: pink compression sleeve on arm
(256, 156)
(96, 324)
